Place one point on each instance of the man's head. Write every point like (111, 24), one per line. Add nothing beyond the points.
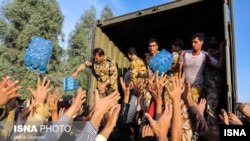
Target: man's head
(152, 46)
(197, 40)
(213, 41)
(131, 52)
(98, 55)
(177, 45)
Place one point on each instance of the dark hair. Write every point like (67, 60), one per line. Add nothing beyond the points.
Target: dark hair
(132, 51)
(98, 51)
(121, 133)
(178, 43)
(153, 40)
(200, 36)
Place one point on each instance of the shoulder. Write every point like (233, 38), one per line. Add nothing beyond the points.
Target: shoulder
(206, 56)
(109, 59)
(139, 59)
(184, 52)
(204, 53)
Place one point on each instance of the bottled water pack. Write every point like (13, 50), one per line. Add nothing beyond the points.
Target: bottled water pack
(161, 62)
(69, 84)
(38, 54)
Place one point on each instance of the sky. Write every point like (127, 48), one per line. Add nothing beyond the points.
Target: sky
(242, 36)
(73, 11)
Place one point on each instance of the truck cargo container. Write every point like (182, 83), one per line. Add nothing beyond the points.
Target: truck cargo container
(178, 19)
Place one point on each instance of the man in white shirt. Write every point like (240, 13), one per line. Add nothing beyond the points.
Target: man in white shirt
(192, 63)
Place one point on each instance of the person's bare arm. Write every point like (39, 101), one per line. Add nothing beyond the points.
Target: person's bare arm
(219, 64)
(161, 126)
(8, 90)
(233, 118)
(102, 105)
(113, 115)
(196, 116)
(180, 65)
(175, 95)
(244, 108)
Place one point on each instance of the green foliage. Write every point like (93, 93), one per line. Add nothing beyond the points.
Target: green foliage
(24, 19)
(80, 44)
(106, 13)
(81, 37)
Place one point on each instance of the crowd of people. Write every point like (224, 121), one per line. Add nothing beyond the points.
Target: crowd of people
(179, 105)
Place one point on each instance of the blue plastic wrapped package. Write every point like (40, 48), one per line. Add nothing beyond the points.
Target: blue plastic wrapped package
(69, 84)
(161, 62)
(38, 54)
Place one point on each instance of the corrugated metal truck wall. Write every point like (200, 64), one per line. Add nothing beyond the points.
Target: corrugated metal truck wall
(111, 50)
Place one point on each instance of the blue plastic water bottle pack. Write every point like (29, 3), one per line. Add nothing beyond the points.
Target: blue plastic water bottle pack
(38, 54)
(69, 84)
(161, 62)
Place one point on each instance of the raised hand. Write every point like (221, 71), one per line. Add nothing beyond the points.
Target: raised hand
(125, 89)
(42, 90)
(31, 104)
(161, 126)
(224, 117)
(178, 88)
(79, 100)
(57, 94)
(155, 89)
(147, 131)
(112, 117)
(102, 105)
(52, 104)
(244, 108)
(8, 90)
(77, 103)
(139, 88)
(201, 106)
(162, 81)
(233, 118)
(175, 94)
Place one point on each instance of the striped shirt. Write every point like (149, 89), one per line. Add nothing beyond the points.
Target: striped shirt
(88, 134)
(193, 65)
(55, 136)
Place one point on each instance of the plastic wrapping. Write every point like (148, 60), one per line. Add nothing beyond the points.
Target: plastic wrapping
(161, 62)
(38, 54)
(69, 84)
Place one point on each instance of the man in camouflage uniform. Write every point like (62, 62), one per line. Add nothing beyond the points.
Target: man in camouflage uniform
(137, 66)
(105, 70)
(176, 48)
(152, 50)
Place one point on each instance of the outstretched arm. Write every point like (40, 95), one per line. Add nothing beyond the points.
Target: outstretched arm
(81, 68)
(219, 64)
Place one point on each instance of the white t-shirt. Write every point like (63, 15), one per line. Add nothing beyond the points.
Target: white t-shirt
(193, 65)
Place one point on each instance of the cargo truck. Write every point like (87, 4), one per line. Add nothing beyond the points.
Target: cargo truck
(178, 19)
